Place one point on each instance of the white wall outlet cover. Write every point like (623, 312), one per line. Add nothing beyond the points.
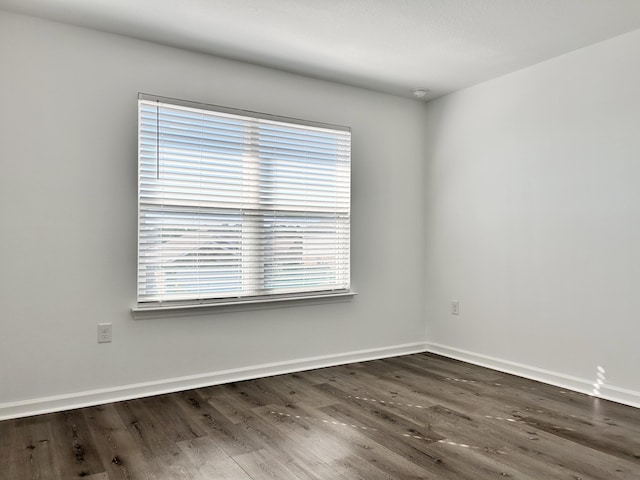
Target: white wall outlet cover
(104, 332)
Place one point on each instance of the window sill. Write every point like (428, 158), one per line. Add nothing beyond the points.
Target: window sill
(165, 311)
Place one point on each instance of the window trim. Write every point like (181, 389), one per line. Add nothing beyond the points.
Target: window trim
(238, 111)
(171, 309)
(194, 306)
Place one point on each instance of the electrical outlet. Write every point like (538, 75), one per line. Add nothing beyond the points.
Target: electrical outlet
(104, 332)
(455, 308)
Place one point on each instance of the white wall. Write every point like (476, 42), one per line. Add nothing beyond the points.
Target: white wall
(68, 106)
(533, 220)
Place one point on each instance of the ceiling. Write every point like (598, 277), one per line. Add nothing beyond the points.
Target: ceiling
(390, 46)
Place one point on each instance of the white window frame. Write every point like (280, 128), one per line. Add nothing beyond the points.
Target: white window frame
(254, 291)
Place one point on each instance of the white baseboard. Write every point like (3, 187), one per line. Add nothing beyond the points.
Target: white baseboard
(568, 382)
(70, 401)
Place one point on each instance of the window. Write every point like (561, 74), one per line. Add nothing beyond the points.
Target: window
(239, 205)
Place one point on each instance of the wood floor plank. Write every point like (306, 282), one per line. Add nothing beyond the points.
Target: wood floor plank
(16, 451)
(147, 431)
(233, 438)
(261, 464)
(342, 451)
(375, 446)
(299, 461)
(420, 416)
(76, 455)
(97, 476)
(118, 445)
(211, 461)
(42, 457)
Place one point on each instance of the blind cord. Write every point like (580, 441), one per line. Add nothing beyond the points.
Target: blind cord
(157, 140)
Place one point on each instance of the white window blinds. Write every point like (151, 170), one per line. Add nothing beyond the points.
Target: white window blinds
(237, 204)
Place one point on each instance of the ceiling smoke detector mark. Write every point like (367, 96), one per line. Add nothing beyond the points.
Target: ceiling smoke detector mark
(419, 92)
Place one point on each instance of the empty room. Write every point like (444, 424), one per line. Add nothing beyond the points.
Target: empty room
(319, 240)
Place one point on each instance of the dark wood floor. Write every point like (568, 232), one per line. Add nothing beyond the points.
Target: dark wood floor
(419, 416)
